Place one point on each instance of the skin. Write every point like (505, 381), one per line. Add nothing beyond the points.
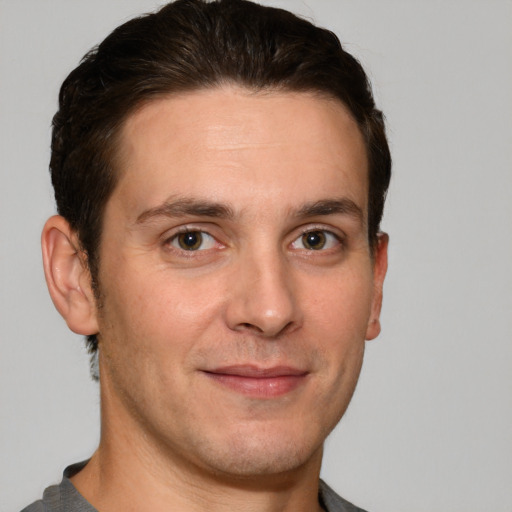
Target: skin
(256, 176)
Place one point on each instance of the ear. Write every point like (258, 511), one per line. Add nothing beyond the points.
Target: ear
(380, 266)
(68, 277)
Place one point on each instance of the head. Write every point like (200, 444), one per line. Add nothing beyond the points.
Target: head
(220, 170)
(192, 45)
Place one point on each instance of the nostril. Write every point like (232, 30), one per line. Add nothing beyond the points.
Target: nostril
(249, 326)
(269, 331)
(290, 326)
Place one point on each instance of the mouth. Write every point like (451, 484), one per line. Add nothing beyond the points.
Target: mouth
(257, 382)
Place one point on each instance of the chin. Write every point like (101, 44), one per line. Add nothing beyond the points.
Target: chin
(249, 455)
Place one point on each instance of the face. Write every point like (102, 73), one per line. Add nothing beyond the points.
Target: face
(236, 278)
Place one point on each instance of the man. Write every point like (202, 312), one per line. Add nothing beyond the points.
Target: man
(220, 172)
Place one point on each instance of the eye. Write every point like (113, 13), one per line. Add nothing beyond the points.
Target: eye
(193, 241)
(316, 240)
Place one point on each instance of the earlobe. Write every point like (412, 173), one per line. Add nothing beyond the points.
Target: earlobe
(380, 267)
(68, 277)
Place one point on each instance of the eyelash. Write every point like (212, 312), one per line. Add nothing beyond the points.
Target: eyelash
(169, 242)
(329, 239)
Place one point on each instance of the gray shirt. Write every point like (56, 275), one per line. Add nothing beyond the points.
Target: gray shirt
(66, 498)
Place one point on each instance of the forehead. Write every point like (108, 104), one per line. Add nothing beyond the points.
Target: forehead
(235, 145)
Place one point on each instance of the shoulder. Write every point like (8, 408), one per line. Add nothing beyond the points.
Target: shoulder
(52, 501)
(37, 506)
(332, 502)
(63, 497)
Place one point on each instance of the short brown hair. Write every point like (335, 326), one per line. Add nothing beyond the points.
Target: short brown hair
(189, 45)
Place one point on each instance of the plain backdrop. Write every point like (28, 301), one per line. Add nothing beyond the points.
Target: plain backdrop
(430, 426)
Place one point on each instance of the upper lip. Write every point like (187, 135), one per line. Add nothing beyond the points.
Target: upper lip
(255, 372)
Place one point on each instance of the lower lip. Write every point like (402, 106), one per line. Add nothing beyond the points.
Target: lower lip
(259, 387)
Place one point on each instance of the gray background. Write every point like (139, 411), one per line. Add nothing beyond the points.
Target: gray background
(430, 427)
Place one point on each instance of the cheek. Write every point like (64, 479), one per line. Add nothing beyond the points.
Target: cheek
(154, 308)
(343, 303)
(338, 320)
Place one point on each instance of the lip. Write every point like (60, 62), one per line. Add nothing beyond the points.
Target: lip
(257, 382)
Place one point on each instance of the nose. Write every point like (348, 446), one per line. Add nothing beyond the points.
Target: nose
(262, 298)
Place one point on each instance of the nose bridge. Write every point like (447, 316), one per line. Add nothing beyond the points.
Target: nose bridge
(263, 298)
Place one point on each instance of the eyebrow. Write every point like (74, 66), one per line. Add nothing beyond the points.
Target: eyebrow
(185, 207)
(338, 206)
(203, 208)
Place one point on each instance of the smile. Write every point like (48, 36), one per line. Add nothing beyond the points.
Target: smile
(258, 382)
